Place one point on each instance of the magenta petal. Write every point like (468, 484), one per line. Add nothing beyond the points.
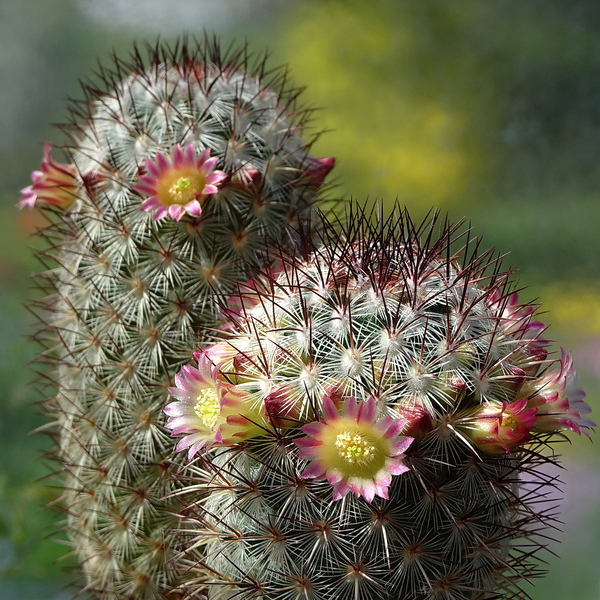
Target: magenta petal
(190, 154)
(382, 492)
(401, 444)
(383, 478)
(367, 411)
(184, 443)
(368, 491)
(340, 490)
(313, 470)
(330, 412)
(177, 156)
(308, 442)
(176, 211)
(215, 177)
(152, 168)
(312, 429)
(203, 157)
(179, 409)
(209, 189)
(162, 162)
(350, 409)
(397, 468)
(210, 163)
(195, 449)
(150, 204)
(334, 477)
(393, 427)
(180, 382)
(194, 208)
(192, 373)
(160, 213)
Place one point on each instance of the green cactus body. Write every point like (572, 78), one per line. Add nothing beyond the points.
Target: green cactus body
(130, 288)
(322, 497)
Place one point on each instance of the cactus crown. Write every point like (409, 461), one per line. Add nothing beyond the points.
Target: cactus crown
(179, 165)
(384, 440)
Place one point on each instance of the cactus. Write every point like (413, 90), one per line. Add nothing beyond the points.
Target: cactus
(377, 424)
(179, 165)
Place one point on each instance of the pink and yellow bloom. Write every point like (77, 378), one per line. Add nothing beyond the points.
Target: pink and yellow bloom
(209, 410)
(354, 451)
(57, 184)
(500, 427)
(178, 184)
(560, 404)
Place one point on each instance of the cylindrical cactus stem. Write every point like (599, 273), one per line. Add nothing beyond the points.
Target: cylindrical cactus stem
(179, 167)
(374, 426)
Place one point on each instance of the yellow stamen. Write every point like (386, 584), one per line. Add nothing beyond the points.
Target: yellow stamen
(208, 407)
(354, 448)
(180, 185)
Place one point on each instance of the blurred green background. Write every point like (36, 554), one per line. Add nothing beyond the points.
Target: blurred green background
(488, 109)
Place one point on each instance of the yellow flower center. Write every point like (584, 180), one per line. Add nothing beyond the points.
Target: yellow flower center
(208, 408)
(180, 186)
(355, 448)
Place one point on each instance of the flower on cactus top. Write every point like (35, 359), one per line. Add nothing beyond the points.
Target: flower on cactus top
(353, 450)
(500, 427)
(178, 184)
(55, 185)
(559, 403)
(209, 410)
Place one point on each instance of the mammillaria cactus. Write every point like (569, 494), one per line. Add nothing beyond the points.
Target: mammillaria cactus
(378, 424)
(178, 167)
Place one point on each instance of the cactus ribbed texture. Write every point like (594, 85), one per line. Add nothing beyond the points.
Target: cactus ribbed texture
(128, 292)
(425, 334)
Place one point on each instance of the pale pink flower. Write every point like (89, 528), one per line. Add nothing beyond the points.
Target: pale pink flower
(500, 427)
(209, 410)
(354, 450)
(559, 403)
(56, 184)
(178, 184)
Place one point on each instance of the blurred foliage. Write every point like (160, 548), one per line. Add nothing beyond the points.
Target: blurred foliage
(488, 109)
(447, 102)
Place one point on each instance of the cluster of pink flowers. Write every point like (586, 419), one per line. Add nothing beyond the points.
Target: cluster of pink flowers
(547, 403)
(354, 446)
(355, 450)
(171, 184)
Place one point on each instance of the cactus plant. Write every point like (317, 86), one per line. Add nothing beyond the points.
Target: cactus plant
(179, 164)
(378, 424)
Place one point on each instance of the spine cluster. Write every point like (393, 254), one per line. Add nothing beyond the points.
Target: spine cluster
(179, 166)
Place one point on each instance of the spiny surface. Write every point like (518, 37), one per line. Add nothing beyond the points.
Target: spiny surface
(128, 289)
(375, 326)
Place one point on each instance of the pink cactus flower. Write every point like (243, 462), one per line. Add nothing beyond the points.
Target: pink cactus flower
(209, 410)
(560, 404)
(57, 184)
(500, 428)
(178, 184)
(353, 450)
